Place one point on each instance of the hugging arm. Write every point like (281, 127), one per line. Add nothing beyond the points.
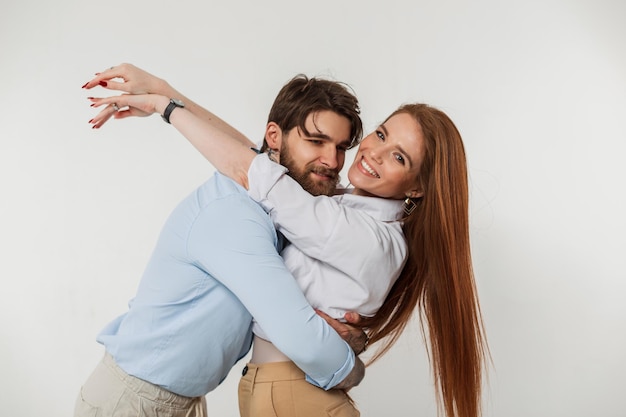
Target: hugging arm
(353, 335)
(245, 260)
(288, 204)
(229, 152)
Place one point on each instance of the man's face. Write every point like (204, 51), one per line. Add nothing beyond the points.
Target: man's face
(314, 160)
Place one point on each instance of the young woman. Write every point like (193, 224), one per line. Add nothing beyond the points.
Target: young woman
(407, 215)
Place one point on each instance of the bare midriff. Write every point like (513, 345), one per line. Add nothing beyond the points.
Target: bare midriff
(264, 351)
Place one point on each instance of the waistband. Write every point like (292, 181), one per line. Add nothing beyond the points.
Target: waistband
(146, 389)
(272, 372)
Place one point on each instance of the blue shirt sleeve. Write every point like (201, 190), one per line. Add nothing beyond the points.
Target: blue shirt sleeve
(235, 242)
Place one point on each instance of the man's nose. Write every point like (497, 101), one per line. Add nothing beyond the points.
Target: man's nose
(329, 157)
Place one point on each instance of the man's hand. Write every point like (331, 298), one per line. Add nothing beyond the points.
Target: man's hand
(354, 336)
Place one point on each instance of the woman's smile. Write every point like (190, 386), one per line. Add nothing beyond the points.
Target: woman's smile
(368, 169)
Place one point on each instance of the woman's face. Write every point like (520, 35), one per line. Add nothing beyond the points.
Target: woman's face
(388, 160)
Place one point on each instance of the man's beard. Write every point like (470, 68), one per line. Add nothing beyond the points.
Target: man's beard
(303, 177)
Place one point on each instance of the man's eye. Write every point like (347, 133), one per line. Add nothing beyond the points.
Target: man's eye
(315, 141)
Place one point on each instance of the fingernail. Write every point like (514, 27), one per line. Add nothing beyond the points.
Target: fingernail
(103, 83)
(91, 120)
(85, 84)
(95, 127)
(93, 105)
(90, 98)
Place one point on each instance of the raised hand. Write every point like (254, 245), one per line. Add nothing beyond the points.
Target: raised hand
(127, 105)
(128, 79)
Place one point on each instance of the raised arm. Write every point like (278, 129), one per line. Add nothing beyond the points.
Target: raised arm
(230, 155)
(127, 78)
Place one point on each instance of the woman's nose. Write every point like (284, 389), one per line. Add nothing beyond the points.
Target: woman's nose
(375, 153)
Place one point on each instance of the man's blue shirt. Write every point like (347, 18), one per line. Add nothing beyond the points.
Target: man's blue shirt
(216, 265)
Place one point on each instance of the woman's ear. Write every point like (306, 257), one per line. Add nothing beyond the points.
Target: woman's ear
(414, 194)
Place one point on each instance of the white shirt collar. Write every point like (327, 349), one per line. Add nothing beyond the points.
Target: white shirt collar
(384, 209)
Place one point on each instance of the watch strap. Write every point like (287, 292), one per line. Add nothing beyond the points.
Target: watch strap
(170, 108)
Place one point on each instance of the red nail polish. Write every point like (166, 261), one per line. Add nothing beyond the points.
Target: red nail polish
(85, 84)
(91, 120)
(93, 105)
(90, 98)
(103, 83)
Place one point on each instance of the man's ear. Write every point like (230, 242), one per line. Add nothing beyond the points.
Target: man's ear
(273, 136)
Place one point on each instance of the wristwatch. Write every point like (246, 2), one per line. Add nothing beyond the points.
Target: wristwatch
(170, 108)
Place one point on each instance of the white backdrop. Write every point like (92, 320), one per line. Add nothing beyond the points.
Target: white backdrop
(537, 89)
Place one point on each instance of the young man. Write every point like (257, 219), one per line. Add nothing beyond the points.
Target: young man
(216, 265)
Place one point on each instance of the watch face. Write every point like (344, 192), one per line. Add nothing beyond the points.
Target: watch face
(179, 103)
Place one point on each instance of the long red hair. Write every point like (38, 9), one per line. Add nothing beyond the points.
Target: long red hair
(438, 276)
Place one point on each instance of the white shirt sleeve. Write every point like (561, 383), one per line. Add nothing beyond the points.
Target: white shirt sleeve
(346, 238)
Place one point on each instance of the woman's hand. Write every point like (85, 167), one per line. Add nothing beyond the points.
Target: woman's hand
(130, 79)
(127, 105)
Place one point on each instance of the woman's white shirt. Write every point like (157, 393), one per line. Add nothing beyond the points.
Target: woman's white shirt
(346, 251)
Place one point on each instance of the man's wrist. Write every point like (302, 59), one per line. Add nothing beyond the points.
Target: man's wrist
(355, 376)
(364, 345)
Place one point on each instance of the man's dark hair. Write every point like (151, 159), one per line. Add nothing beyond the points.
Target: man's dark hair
(302, 96)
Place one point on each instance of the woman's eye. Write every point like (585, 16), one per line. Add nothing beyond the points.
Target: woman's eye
(400, 158)
(380, 135)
